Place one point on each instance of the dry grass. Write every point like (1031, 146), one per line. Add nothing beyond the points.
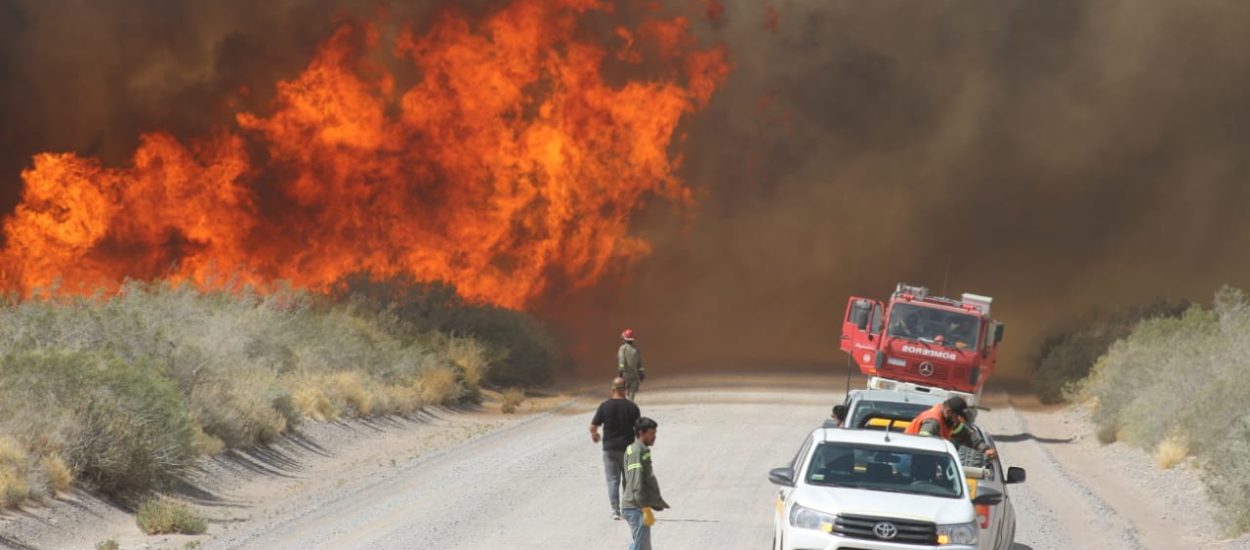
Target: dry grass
(511, 400)
(58, 474)
(313, 403)
(206, 445)
(402, 399)
(15, 487)
(472, 357)
(1170, 452)
(162, 516)
(131, 387)
(110, 544)
(438, 385)
(348, 390)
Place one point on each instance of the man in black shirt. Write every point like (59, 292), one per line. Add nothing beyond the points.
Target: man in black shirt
(617, 416)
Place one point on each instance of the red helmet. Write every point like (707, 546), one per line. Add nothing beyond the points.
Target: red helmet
(628, 335)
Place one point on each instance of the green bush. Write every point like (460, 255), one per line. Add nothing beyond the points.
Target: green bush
(124, 427)
(129, 387)
(1183, 381)
(1064, 359)
(523, 351)
(161, 516)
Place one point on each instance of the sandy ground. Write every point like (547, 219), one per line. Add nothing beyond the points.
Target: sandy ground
(478, 479)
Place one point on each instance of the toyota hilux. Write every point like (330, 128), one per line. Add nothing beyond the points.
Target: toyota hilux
(875, 490)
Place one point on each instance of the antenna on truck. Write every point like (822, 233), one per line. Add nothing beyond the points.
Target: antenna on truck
(947, 276)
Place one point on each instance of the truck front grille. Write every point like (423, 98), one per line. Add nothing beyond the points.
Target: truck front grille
(864, 527)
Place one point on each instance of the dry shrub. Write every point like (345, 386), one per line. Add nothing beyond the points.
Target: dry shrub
(349, 390)
(1185, 376)
(512, 398)
(205, 444)
(472, 357)
(439, 385)
(110, 544)
(161, 516)
(313, 403)
(59, 476)
(14, 474)
(239, 408)
(402, 398)
(1170, 452)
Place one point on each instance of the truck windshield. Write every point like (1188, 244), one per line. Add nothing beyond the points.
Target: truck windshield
(914, 322)
(889, 469)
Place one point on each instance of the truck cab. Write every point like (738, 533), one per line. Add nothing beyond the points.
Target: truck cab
(923, 343)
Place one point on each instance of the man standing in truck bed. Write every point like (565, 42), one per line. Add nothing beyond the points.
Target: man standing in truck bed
(629, 364)
(949, 419)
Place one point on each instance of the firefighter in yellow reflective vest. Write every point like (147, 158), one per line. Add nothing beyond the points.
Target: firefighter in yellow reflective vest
(949, 419)
(642, 491)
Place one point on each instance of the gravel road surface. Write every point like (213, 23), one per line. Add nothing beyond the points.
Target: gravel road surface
(472, 480)
(539, 484)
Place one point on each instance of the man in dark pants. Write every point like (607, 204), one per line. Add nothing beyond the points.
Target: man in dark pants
(617, 416)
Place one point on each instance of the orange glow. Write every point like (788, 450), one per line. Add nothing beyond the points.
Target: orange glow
(510, 164)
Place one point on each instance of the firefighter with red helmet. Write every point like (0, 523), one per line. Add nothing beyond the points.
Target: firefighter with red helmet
(629, 364)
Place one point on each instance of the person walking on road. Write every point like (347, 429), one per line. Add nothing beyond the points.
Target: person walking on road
(629, 364)
(617, 416)
(949, 419)
(642, 491)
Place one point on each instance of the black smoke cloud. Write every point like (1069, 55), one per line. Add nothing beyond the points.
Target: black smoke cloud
(90, 77)
(1062, 156)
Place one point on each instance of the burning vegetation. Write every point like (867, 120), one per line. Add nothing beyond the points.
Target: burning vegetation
(512, 160)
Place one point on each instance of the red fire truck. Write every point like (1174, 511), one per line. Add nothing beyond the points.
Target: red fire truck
(918, 342)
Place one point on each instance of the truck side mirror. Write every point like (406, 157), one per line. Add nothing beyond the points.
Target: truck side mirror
(998, 333)
(1015, 475)
(781, 476)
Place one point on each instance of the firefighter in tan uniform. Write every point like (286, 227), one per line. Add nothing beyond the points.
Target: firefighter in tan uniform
(629, 364)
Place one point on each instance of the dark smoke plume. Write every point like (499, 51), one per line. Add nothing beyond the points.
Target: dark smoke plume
(1061, 155)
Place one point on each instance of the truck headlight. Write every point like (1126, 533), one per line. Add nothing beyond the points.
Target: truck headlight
(957, 533)
(806, 518)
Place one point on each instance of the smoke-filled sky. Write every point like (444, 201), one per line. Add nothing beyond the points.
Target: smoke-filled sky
(1060, 155)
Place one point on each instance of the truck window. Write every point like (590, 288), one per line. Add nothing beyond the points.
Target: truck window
(933, 325)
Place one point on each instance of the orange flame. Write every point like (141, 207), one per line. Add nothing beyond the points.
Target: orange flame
(509, 165)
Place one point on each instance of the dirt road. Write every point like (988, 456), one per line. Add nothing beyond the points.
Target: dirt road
(539, 484)
(479, 479)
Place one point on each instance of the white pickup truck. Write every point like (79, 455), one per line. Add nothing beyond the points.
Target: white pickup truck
(875, 490)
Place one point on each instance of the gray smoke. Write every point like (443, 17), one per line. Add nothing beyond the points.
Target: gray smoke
(1061, 155)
